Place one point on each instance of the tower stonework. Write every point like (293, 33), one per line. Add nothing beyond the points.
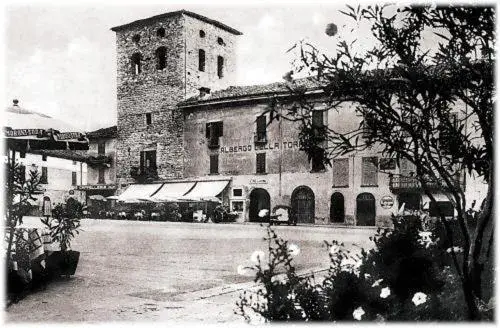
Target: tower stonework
(159, 65)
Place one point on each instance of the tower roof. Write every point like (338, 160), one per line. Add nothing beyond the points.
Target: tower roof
(176, 13)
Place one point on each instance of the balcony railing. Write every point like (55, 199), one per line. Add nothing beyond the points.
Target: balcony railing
(260, 138)
(404, 184)
(213, 142)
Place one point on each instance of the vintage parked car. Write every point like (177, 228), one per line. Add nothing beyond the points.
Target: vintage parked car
(282, 214)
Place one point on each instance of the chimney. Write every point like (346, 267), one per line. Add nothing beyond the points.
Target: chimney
(204, 92)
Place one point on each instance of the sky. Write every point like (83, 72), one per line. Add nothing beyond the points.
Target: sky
(61, 59)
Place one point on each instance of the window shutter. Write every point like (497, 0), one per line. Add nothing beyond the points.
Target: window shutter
(340, 168)
(214, 164)
(261, 163)
(317, 118)
(220, 128)
(142, 161)
(369, 171)
(261, 124)
(73, 178)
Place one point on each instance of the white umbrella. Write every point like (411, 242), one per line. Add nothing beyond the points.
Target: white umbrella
(26, 130)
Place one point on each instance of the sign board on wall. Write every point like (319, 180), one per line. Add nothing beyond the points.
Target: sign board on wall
(267, 146)
(258, 181)
(386, 202)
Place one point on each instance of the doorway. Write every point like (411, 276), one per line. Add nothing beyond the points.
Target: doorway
(259, 199)
(365, 209)
(337, 209)
(303, 204)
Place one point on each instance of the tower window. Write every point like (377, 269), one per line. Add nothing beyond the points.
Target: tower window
(220, 66)
(202, 34)
(136, 38)
(201, 60)
(161, 58)
(261, 163)
(149, 120)
(135, 61)
(160, 32)
(220, 41)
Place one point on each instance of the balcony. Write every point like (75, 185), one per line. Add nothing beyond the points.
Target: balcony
(260, 138)
(213, 142)
(409, 184)
(144, 175)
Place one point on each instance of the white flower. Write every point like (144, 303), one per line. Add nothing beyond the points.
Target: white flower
(419, 298)
(367, 275)
(242, 270)
(257, 256)
(358, 313)
(334, 249)
(293, 250)
(385, 292)
(281, 278)
(456, 249)
(425, 238)
(376, 283)
(263, 213)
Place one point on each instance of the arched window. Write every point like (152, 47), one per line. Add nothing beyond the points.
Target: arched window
(161, 58)
(160, 32)
(135, 62)
(202, 34)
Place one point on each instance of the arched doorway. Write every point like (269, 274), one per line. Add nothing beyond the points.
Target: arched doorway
(303, 204)
(365, 209)
(337, 209)
(259, 199)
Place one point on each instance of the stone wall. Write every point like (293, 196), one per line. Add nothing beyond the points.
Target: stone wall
(157, 91)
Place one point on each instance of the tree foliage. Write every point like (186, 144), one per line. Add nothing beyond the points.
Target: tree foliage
(428, 104)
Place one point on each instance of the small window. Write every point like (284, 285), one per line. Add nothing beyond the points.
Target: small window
(44, 177)
(261, 163)
(101, 147)
(148, 160)
(160, 32)
(135, 62)
(74, 162)
(73, 178)
(237, 206)
(220, 41)
(237, 192)
(136, 38)
(202, 34)
(44, 158)
(22, 154)
(149, 119)
(214, 164)
(220, 67)
(100, 179)
(161, 58)
(201, 60)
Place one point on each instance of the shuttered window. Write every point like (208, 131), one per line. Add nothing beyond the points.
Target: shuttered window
(340, 168)
(101, 148)
(214, 130)
(101, 176)
(148, 160)
(73, 178)
(214, 164)
(261, 163)
(261, 128)
(369, 171)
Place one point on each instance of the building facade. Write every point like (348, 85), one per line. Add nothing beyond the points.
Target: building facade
(101, 163)
(61, 173)
(180, 119)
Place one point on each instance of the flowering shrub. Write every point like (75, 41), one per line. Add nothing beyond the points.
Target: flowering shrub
(407, 276)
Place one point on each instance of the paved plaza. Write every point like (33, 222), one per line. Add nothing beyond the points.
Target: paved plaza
(142, 271)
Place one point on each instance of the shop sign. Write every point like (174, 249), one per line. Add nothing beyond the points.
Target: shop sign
(258, 181)
(96, 187)
(267, 146)
(71, 192)
(23, 132)
(387, 202)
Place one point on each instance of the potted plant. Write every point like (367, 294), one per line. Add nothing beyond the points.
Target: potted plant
(63, 225)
